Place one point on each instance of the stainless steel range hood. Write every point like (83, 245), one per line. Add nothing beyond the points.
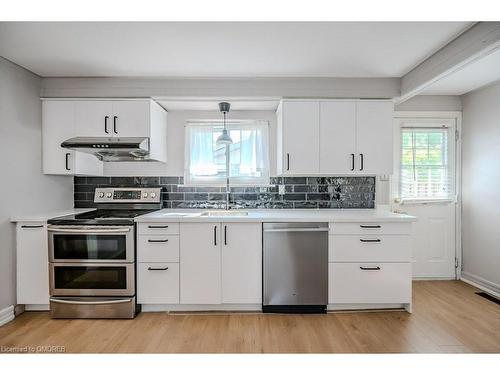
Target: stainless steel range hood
(111, 149)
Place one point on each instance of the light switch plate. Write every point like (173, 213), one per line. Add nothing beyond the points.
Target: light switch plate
(281, 189)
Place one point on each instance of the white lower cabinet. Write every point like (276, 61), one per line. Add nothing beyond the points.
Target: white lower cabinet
(242, 263)
(365, 283)
(32, 263)
(370, 264)
(200, 263)
(158, 283)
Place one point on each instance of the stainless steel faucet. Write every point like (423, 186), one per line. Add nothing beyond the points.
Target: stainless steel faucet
(228, 207)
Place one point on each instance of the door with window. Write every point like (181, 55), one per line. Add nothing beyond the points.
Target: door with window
(424, 186)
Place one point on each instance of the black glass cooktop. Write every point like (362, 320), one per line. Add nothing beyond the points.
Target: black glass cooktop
(100, 217)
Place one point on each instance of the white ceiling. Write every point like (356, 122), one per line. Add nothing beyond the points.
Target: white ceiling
(474, 75)
(246, 49)
(212, 104)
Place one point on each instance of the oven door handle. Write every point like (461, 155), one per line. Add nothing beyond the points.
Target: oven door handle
(89, 231)
(71, 302)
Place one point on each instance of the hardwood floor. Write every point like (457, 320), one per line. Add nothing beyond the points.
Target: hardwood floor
(447, 317)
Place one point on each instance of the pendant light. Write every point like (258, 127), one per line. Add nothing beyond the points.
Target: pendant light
(224, 138)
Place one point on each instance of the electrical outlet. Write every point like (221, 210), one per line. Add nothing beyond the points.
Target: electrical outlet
(281, 189)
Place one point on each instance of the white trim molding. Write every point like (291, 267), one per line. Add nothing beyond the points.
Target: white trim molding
(6, 315)
(479, 282)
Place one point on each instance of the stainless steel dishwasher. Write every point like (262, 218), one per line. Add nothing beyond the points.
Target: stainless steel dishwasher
(295, 269)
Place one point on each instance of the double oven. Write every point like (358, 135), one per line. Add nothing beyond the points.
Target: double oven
(92, 264)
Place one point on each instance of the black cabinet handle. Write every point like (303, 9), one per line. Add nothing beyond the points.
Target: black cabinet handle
(352, 162)
(156, 241)
(31, 226)
(225, 235)
(157, 269)
(215, 235)
(287, 161)
(362, 166)
(370, 226)
(376, 240)
(370, 268)
(114, 124)
(106, 124)
(67, 161)
(157, 226)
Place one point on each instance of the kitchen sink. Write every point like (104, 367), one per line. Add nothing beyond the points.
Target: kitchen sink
(224, 213)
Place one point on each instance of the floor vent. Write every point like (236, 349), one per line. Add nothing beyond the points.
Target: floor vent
(489, 297)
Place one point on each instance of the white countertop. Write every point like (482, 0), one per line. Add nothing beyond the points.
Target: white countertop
(297, 215)
(44, 216)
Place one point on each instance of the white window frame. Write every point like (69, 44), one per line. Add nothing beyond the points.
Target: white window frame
(234, 181)
(423, 123)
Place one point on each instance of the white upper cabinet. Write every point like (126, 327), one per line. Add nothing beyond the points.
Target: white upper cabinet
(374, 137)
(298, 138)
(93, 118)
(58, 125)
(337, 144)
(131, 118)
(334, 137)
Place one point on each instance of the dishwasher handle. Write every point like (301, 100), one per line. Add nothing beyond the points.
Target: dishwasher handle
(297, 230)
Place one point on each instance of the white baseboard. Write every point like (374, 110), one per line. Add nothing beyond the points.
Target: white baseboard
(6, 315)
(479, 282)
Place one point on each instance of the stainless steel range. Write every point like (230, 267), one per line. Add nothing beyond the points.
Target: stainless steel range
(92, 255)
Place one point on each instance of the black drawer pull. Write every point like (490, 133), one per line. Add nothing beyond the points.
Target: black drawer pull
(370, 268)
(363, 240)
(370, 226)
(157, 240)
(31, 226)
(157, 269)
(157, 226)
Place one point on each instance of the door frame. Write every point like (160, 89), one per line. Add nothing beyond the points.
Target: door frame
(457, 117)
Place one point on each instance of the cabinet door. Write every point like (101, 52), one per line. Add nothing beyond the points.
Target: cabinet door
(337, 137)
(57, 126)
(300, 138)
(200, 261)
(94, 118)
(32, 263)
(241, 263)
(374, 137)
(131, 118)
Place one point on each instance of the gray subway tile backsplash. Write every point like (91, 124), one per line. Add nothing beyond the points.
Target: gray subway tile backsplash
(300, 192)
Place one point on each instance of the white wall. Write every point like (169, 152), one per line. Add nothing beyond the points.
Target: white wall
(431, 103)
(481, 186)
(175, 144)
(23, 189)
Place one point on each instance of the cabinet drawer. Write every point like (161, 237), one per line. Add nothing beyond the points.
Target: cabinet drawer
(158, 248)
(158, 283)
(370, 228)
(158, 228)
(369, 248)
(369, 283)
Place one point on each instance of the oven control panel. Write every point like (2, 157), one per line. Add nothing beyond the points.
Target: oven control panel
(127, 195)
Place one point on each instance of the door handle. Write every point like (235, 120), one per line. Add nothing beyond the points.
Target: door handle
(352, 162)
(67, 161)
(362, 162)
(106, 124)
(225, 235)
(287, 161)
(155, 241)
(370, 226)
(31, 226)
(215, 235)
(157, 226)
(157, 268)
(114, 124)
(370, 268)
(374, 240)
